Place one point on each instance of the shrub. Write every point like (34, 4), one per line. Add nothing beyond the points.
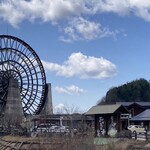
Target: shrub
(124, 134)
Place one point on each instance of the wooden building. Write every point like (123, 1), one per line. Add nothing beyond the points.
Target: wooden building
(109, 116)
(142, 119)
(135, 108)
(139, 113)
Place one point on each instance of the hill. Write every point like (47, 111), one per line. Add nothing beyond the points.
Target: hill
(135, 91)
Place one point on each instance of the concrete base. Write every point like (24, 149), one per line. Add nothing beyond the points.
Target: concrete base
(13, 113)
(48, 108)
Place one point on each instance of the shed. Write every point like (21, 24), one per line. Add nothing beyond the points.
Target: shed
(106, 115)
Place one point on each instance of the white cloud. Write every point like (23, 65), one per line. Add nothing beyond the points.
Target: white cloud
(125, 7)
(66, 109)
(54, 10)
(60, 106)
(141, 9)
(102, 6)
(70, 90)
(82, 66)
(14, 11)
(80, 29)
(72, 13)
(10, 13)
(62, 90)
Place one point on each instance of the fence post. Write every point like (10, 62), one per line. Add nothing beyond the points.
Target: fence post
(135, 135)
(146, 136)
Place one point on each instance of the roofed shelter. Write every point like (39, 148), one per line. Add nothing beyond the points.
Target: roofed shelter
(135, 108)
(142, 118)
(106, 116)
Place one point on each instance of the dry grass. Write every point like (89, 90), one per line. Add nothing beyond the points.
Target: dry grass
(76, 143)
(57, 142)
(125, 144)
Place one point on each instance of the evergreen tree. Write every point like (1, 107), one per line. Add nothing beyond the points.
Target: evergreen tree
(135, 91)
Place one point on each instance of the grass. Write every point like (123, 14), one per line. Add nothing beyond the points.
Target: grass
(122, 144)
(104, 141)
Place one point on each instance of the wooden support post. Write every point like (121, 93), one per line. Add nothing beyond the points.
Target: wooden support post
(135, 135)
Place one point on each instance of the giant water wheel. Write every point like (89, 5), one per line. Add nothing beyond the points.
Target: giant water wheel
(19, 61)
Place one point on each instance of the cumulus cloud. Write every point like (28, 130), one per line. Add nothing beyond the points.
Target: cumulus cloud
(53, 10)
(62, 90)
(104, 6)
(83, 67)
(72, 13)
(70, 90)
(60, 106)
(9, 13)
(66, 109)
(15, 11)
(80, 29)
(125, 7)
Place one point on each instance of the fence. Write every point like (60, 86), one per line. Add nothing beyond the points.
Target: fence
(141, 136)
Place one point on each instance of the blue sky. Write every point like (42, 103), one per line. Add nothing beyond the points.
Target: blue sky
(86, 46)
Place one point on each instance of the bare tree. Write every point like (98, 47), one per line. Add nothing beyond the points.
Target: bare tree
(69, 111)
(101, 101)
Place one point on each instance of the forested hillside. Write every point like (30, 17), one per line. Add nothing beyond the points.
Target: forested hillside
(138, 90)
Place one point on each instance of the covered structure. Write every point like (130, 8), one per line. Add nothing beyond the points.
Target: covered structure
(108, 116)
(142, 119)
(145, 105)
(135, 108)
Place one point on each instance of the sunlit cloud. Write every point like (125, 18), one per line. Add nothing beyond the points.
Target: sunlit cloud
(83, 67)
(71, 15)
(66, 109)
(60, 106)
(74, 12)
(70, 90)
(54, 10)
(82, 29)
(44, 10)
